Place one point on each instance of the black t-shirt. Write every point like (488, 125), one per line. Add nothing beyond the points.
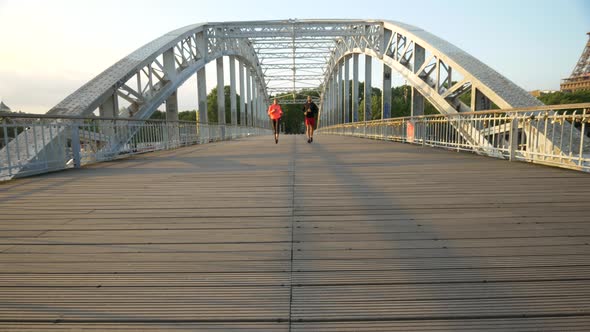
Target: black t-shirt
(310, 106)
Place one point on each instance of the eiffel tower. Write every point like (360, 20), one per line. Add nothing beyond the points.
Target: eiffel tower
(3, 106)
(580, 77)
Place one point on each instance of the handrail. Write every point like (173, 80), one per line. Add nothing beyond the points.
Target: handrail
(74, 117)
(555, 135)
(33, 144)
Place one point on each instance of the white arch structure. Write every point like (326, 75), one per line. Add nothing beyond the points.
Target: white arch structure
(286, 56)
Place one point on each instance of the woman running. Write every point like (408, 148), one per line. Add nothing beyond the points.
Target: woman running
(310, 109)
(275, 112)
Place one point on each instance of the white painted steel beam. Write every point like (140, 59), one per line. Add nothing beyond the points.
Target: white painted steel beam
(368, 92)
(151, 75)
(232, 90)
(347, 89)
(243, 100)
(220, 92)
(355, 87)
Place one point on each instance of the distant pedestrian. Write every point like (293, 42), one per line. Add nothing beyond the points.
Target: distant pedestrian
(275, 113)
(310, 109)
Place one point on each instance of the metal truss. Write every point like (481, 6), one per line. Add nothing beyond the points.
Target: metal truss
(145, 78)
(442, 74)
(288, 56)
(151, 74)
(437, 71)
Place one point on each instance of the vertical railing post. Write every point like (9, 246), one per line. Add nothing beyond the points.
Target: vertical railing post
(423, 131)
(513, 137)
(76, 144)
(6, 147)
(458, 132)
(582, 134)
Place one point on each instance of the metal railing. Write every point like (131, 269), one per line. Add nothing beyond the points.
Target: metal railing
(34, 144)
(556, 135)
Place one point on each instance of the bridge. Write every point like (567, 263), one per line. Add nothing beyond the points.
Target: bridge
(471, 219)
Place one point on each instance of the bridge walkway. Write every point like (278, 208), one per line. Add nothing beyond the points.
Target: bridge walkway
(343, 234)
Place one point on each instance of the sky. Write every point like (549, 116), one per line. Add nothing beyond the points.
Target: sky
(50, 48)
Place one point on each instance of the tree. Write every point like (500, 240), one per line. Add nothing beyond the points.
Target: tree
(401, 97)
(188, 116)
(158, 115)
(212, 105)
(375, 107)
(557, 98)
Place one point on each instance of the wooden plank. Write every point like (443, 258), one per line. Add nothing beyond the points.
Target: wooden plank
(340, 235)
(505, 324)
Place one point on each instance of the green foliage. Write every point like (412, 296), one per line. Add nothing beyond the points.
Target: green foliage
(466, 98)
(375, 107)
(401, 101)
(557, 98)
(188, 116)
(429, 109)
(211, 109)
(158, 115)
(182, 116)
(401, 98)
(212, 105)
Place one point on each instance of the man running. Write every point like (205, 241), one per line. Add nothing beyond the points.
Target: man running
(275, 112)
(310, 109)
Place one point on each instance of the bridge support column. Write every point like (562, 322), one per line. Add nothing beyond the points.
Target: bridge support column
(417, 105)
(261, 104)
(346, 89)
(325, 109)
(263, 109)
(172, 131)
(335, 95)
(386, 95)
(172, 107)
(109, 109)
(257, 107)
(334, 90)
(328, 103)
(355, 87)
(479, 101)
(243, 101)
(368, 75)
(203, 118)
(322, 108)
(220, 98)
(248, 100)
(254, 102)
(232, 91)
(340, 93)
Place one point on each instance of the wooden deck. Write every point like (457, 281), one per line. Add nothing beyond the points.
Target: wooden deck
(343, 234)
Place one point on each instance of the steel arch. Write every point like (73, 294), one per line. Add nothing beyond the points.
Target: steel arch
(395, 45)
(294, 51)
(145, 80)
